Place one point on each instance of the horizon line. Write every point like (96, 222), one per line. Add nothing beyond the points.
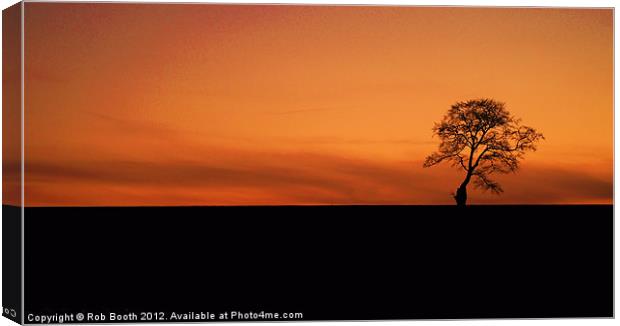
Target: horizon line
(302, 205)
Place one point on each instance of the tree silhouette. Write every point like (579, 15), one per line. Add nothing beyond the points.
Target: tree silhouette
(481, 137)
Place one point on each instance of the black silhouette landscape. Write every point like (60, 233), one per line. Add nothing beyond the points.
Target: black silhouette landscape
(329, 262)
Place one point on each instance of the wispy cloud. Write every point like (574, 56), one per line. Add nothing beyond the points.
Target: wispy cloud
(245, 178)
(309, 110)
(335, 140)
(133, 126)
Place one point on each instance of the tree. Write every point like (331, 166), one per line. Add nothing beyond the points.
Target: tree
(481, 137)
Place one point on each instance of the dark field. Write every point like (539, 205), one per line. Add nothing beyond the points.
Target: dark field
(328, 262)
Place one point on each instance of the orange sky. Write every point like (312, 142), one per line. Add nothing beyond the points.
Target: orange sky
(134, 104)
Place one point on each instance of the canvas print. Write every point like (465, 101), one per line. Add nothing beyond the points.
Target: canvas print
(309, 154)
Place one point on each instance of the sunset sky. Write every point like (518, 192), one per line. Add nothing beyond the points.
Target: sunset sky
(135, 104)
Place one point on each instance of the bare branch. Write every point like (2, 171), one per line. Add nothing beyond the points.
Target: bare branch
(481, 137)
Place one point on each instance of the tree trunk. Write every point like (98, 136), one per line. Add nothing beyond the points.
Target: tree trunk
(461, 192)
(461, 196)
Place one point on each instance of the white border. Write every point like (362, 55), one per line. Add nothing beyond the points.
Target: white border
(512, 3)
(23, 201)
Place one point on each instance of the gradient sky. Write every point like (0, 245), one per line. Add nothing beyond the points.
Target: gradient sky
(134, 104)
